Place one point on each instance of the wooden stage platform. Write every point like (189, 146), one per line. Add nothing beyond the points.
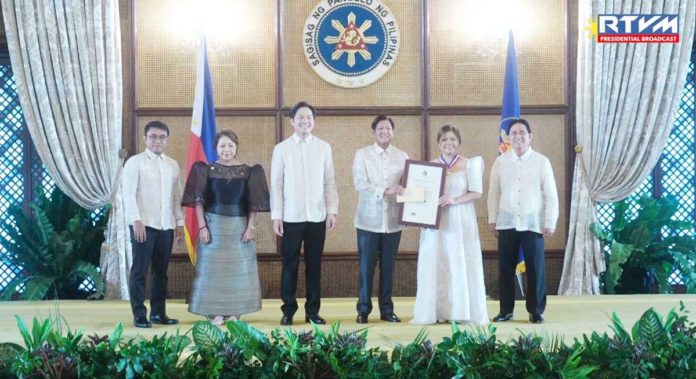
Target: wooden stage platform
(566, 317)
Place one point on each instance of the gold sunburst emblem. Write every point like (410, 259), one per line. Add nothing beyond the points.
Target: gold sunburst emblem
(351, 40)
(505, 144)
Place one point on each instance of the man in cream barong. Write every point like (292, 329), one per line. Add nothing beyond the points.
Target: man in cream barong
(377, 171)
(304, 206)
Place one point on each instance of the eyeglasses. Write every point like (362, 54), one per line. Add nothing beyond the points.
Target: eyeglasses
(154, 137)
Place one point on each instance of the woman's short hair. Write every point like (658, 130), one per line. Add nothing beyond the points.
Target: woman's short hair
(226, 133)
(449, 128)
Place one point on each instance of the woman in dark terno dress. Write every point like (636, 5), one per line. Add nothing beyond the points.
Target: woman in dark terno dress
(227, 194)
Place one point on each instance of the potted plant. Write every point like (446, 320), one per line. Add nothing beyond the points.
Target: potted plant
(56, 249)
(645, 248)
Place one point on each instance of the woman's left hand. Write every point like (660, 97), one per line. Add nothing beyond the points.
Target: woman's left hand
(249, 234)
(446, 200)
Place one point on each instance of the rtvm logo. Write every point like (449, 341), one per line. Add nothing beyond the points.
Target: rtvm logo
(638, 28)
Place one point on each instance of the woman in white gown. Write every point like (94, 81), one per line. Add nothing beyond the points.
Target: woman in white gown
(450, 283)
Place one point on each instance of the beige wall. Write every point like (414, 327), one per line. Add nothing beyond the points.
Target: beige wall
(464, 80)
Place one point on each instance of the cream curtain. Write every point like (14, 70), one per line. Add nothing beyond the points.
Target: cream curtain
(627, 98)
(66, 58)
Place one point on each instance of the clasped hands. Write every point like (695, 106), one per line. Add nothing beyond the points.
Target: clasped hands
(331, 223)
(394, 190)
(446, 200)
(204, 235)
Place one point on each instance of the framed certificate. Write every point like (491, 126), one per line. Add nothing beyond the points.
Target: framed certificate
(425, 182)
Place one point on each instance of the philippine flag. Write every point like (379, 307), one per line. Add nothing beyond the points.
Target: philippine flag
(201, 146)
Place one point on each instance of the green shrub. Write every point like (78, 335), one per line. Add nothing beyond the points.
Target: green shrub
(99, 356)
(236, 354)
(315, 354)
(653, 348)
(57, 246)
(419, 359)
(156, 358)
(641, 259)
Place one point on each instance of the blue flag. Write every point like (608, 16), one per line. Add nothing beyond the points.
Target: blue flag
(511, 96)
(510, 112)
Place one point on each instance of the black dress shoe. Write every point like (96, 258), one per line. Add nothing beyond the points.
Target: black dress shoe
(286, 320)
(361, 319)
(163, 320)
(141, 322)
(390, 318)
(536, 319)
(502, 317)
(315, 319)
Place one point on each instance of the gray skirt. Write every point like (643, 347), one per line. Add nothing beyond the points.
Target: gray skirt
(227, 274)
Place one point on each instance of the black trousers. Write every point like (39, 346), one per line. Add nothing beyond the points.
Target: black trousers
(295, 235)
(509, 243)
(372, 247)
(155, 252)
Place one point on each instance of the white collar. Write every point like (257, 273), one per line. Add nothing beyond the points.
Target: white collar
(524, 157)
(298, 139)
(378, 149)
(150, 155)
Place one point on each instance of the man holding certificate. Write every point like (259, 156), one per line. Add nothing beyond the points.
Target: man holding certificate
(377, 171)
